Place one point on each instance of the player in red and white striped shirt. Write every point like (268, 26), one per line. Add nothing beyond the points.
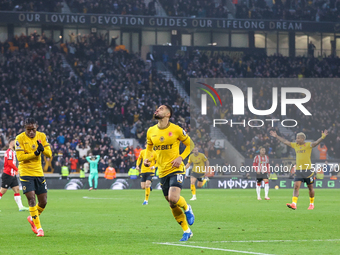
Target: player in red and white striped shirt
(261, 165)
(8, 176)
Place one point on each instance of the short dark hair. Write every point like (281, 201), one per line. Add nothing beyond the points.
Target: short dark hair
(11, 139)
(30, 121)
(169, 108)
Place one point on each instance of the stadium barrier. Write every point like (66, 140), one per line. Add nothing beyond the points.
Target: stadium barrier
(222, 182)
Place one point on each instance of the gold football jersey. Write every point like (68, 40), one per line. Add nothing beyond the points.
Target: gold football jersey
(303, 155)
(165, 142)
(153, 159)
(29, 163)
(199, 162)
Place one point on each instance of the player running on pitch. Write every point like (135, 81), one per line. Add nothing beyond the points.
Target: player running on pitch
(146, 172)
(165, 138)
(198, 172)
(304, 170)
(29, 145)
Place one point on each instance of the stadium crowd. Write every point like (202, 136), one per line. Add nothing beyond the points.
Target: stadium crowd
(31, 5)
(114, 86)
(290, 10)
(318, 10)
(194, 8)
(127, 7)
(111, 85)
(248, 140)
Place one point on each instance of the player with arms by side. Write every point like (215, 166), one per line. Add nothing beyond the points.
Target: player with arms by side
(261, 165)
(9, 179)
(146, 172)
(29, 145)
(304, 171)
(165, 138)
(198, 172)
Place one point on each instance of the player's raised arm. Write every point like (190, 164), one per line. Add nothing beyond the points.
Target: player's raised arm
(317, 142)
(97, 158)
(281, 139)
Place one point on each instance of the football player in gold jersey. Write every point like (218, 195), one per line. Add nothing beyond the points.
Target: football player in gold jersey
(146, 173)
(304, 171)
(29, 145)
(165, 138)
(198, 172)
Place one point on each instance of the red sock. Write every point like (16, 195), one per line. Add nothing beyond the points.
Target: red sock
(259, 184)
(16, 194)
(1, 195)
(266, 182)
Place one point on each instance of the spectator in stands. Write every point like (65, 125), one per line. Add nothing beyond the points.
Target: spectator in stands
(102, 165)
(83, 150)
(133, 173)
(311, 48)
(122, 167)
(323, 151)
(110, 172)
(74, 163)
(137, 152)
(57, 168)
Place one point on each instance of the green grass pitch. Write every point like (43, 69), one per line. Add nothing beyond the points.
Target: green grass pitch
(227, 222)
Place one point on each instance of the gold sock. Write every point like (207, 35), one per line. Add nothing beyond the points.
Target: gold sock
(182, 203)
(193, 189)
(204, 181)
(295, 199)
(147, 194)
(35, 216)
(311, 199)
(40, 209)
(180, 217)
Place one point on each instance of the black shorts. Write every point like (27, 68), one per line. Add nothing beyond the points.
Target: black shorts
(31, 183)
(171, 180)
(8, 181)
(260, 177)
(146, 177)
(198, 176)
(306, 176)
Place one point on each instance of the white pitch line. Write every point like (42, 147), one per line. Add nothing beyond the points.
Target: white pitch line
(101, 198)
(276, 241)
(266, 241)
(215, 249)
